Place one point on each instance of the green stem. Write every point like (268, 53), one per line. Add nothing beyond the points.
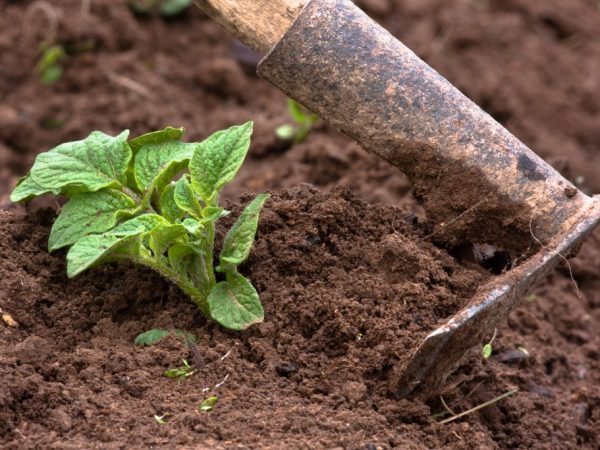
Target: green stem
(184, 284)
(208, 259)
(129, 192)
(210, 244)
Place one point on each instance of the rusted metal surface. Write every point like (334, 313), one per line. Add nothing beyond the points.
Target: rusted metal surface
(438, 354)
(342, 65)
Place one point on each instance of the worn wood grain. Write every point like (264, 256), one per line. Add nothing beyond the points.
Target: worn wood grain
(257, 23)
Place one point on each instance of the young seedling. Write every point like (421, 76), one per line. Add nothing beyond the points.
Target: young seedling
(166, 8)
(161, 420)
(155, 335)
(180, 373)
(487, 348)
(208, 404)
(303, 122)
(49, 67)
(125, 204)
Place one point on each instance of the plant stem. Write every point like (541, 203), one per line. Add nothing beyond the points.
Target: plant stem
(210, 244)
(184, 284)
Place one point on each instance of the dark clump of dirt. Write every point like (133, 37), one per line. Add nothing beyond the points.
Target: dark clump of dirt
(348, 288)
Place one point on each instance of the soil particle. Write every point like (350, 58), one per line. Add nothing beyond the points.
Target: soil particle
(32, 350)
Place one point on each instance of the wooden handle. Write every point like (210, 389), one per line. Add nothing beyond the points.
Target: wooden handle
(257, 23)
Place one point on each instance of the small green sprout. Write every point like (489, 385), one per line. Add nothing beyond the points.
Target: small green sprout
(151, 337)
(304, 120)
(166, 8)
(124, 206)
(155, 335)
(161, 419)
(49, 67)
(208, 404)
(487, 348)
(180, 373)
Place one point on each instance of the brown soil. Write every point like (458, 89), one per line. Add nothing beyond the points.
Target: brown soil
(380, 289)
(72, 377)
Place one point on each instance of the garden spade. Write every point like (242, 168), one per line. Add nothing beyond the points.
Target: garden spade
(478, 183)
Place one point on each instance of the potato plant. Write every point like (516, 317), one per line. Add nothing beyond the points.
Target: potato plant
(126, 202)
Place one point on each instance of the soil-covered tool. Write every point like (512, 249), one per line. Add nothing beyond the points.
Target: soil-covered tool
(478, 183)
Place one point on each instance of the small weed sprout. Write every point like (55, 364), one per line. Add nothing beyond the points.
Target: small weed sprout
(161, 419)
(487, 348)
(49, 66)
(180, 373)
(155, 335)
(303, 122)
(126, 203)
(166, 8)
(208, 404)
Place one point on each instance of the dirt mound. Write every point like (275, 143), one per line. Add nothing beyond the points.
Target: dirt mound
(348, 288)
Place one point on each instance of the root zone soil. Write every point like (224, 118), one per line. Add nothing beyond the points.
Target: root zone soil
(348, 285)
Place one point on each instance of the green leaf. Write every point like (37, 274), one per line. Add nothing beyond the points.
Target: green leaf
(156, 164)
(239, 239)
(137, 225)
(97, 162)
(192, 225)
(286, 132)
(168, 207)
(123, 241)
(300, 114)
(156, 137)
(50, 57)
(487, 351)
(51, 74)
(185, 198)
(151, 337)
(170, 8)
(208, 404)
(217, 159)
(88, 213)
(296, 111)
(180, 372)
(213, 213)
(234, 303)
(163, 236)
(178, 254)
(95, 249)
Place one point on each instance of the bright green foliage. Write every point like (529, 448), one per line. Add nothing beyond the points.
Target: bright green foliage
(303, 122)
(208, 404)
(99, 161)
(49, 67)
(180, 373)
(218, 159)
(137, 201)
(487, 351)
(151, 337)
